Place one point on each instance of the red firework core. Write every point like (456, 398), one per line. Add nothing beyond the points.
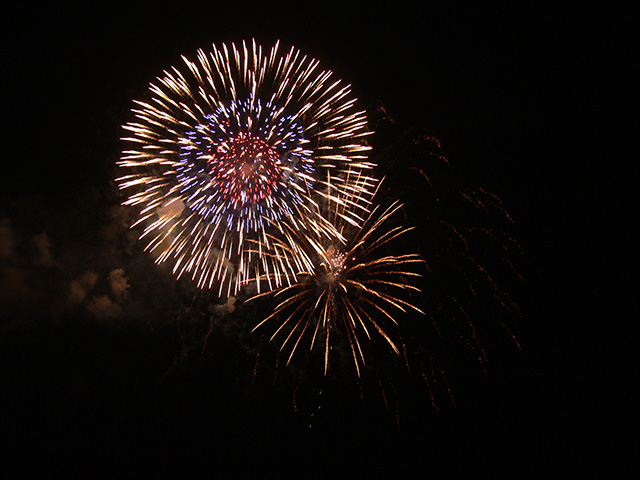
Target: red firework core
(245, 169)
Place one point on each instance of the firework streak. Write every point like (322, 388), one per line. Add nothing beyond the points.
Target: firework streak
(236, 156)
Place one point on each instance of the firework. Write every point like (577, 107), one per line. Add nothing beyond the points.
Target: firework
(229, 150)
(466, 238)
(350, 289)
(467, 241)
(354, 291)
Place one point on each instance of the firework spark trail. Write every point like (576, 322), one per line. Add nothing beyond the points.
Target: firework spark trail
(351, 287)
(469, 248)
(226, 152)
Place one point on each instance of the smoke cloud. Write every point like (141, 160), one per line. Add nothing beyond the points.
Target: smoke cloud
(118, 282)
(43, 250)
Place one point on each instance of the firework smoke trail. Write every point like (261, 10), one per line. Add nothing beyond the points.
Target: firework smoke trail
(352, 289)
(230, 150)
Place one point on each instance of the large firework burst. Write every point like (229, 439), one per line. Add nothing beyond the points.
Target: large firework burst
(228, 150)
(351, 290)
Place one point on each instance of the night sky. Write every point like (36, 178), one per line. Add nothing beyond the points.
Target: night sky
(102, 367)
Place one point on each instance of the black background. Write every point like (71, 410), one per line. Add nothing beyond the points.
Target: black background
(525, 99)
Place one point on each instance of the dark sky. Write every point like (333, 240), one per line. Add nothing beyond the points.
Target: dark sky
(514, 96)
